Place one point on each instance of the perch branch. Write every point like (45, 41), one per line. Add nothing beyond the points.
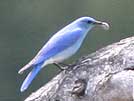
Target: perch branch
(106, 75)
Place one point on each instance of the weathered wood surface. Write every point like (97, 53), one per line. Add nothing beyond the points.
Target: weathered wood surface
(106, 75)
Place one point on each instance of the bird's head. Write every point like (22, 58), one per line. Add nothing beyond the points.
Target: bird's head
(88, 22)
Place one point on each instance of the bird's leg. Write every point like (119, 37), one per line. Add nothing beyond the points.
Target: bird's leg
(64, 65)
(61, 66)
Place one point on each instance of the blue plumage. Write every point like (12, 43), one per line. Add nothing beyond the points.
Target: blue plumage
(60, 46)
(30, 77)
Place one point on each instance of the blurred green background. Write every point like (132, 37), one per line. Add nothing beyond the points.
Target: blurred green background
(25, 25)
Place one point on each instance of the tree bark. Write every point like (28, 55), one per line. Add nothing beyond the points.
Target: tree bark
(106, 75)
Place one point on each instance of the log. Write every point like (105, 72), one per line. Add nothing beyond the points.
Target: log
(105, 75)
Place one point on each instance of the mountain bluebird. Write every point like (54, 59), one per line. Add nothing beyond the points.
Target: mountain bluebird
(60, 46)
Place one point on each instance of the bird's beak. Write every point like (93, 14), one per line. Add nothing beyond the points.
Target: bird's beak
(102, 24)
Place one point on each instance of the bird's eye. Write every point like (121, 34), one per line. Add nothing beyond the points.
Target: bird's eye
(89, 22)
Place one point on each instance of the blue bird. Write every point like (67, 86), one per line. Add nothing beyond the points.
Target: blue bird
(60, 46)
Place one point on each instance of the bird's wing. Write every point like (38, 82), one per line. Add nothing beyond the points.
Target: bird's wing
(56, 44)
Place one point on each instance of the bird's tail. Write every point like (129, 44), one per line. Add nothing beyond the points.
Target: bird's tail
(30, 78)
(25, 67)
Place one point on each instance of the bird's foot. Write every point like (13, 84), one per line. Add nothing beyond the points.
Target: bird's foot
(61, 66)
